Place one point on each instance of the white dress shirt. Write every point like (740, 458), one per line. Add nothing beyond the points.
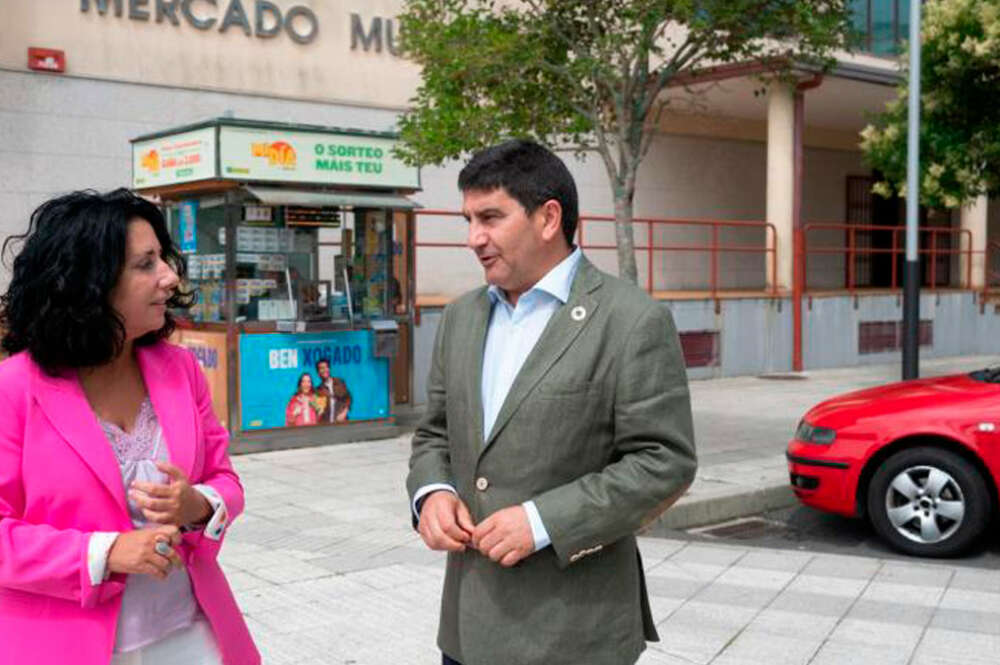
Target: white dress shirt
(512, 334)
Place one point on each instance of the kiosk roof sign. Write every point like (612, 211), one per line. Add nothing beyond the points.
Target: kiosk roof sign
(174, 158)
(269, 152)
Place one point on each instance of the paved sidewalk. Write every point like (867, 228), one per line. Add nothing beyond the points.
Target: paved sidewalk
(328, 571)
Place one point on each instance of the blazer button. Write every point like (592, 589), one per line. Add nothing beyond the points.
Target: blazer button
(482, 483)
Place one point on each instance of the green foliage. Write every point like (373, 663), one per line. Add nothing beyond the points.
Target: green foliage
(561, 70)
(587, 74)
(960, 108)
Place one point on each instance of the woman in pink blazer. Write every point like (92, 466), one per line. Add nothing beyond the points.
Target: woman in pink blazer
(115, 485)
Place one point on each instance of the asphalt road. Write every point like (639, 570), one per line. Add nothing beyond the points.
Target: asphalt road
(805, 529)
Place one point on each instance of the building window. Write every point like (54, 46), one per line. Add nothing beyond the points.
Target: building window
(701, 349)
(883, 336)
(880, 26)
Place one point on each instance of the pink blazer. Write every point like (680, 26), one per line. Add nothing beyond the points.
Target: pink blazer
(59, 481)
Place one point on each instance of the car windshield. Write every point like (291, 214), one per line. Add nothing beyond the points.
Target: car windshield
(989, 375)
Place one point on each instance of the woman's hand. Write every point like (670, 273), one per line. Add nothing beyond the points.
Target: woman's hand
(134, 552)
(176, 503)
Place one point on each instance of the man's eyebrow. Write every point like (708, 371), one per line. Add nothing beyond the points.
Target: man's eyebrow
(485, 211)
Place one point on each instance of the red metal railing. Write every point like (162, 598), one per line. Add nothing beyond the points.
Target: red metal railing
(714, 248)
(991, 268)
(933, 249)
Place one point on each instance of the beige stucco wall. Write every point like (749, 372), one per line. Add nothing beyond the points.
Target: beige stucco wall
(123, 49)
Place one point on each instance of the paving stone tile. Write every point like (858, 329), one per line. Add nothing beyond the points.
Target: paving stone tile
(976, 579)
(819, 604)
(757, 578)
(731, 594)
(689, 570)
(672, 587)
(767, 649)
(241, 581)
(694, 640)
(845, 587)
(388, 576)
(662, 607)
(852, 653)
(939, 645)
(291, 570)
(791, 562)
(834, 565)
(865, 631)
(707, 554)
(658, 549)
(893, 572)
(902, 613)
(964, 598)
(654, 656)
(784, 623)
(904, 594)
(967, 620)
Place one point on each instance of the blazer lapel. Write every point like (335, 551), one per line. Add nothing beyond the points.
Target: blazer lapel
(562, 329)
(170, 395)
(477, 343)
(64, 403)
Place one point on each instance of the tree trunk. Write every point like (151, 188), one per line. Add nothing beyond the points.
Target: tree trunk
(624, 233)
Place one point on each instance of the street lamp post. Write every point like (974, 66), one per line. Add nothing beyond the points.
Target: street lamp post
(911, 273)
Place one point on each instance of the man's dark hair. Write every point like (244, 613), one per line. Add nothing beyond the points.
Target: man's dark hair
(530, 173)
(57, 305)
(322, 360)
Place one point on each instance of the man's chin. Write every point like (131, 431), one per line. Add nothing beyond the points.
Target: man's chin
(494, 278)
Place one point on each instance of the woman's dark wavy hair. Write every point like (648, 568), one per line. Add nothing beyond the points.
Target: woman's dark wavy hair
(57, 305)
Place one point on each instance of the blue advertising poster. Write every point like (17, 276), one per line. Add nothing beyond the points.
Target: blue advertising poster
(187, 221)
(309, 379)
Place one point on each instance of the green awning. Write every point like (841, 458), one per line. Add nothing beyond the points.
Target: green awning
(280, 196)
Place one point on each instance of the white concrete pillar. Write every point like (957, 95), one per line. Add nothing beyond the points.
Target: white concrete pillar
(974, 220)
(781, 179)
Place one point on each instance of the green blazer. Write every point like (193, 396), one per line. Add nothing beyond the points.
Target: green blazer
(596, 429)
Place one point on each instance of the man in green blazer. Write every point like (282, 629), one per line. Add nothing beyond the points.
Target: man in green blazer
(558, 424)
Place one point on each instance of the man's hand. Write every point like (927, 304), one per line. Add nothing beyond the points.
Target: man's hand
(445, 522)
(505, 536)
(134, 552)
(175, 503)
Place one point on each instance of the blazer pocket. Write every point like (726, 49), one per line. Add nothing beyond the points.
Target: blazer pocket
(581, 389)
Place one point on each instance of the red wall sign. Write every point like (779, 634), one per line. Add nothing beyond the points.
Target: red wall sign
(46, 59)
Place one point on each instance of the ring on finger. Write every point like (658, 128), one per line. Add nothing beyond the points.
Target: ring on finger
(162, 547)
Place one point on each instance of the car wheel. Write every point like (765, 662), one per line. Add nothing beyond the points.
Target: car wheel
(928, 502)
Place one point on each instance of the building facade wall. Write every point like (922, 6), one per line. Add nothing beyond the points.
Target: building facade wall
(59, 134)
(350, 59)
(682, 177)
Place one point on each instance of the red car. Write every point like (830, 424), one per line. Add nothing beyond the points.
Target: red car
(920, 459)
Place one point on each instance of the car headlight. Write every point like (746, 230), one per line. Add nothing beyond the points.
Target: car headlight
(810, 434)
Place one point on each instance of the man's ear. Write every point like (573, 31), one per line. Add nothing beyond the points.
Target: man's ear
(551, 214)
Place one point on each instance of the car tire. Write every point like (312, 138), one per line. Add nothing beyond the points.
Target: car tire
(929, 502)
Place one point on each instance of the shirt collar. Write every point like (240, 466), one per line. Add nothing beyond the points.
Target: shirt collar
(557, 282)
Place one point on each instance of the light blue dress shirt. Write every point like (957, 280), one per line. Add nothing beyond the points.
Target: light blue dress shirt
(512, 333)
(510, 337)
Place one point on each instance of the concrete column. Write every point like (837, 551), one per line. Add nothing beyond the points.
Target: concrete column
(974, 220)
(781, 179)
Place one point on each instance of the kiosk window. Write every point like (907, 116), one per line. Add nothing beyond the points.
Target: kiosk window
(291, 263)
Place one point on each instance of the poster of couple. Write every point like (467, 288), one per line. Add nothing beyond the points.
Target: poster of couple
(328, 402)
(308, 379)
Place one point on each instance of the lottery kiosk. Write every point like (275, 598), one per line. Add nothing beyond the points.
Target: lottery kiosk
(299, 242)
